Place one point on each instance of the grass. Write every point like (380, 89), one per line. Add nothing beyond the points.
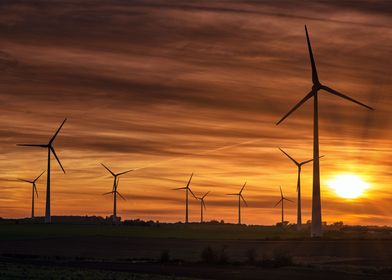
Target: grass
(180, 231)
(10, 271)
(191, 231)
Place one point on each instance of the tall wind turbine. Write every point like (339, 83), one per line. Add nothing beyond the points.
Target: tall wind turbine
(239, 202)
(187, 189)
(202, 205)
(33, 192)
(50, 148)
(282, 199)
(114, 190)
(316, 230)
(299, 166)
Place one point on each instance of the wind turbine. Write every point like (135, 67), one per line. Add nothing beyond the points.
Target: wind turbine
(114, 190)
(316, 230)
(239, 202)
(50, 148)
(299, 166)
(202, 205)
(187, 189)
(282, 199)
(34, 189)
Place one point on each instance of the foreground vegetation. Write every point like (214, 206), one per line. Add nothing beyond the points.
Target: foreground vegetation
(11, 271)
(12, 231)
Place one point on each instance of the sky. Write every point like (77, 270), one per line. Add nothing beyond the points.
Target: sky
(174, 87)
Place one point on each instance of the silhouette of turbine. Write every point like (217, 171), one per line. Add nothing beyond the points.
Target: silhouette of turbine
(202, 205)
(316, 230)
(187, 189)
(299, 166)
(34, 189)
(239, 202)
(282, 199)
(114, 190)
(50, 148)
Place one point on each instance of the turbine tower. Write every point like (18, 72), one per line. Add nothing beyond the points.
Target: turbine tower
(299, 166)
(114, 190)
(50, 148)
(202, 205)
(187, 189)
(33, 191)
(282, 199)
(239, 202)
(316, 230)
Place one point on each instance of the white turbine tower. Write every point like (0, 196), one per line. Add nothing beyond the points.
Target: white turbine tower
(114, 190)
(49, 146)
(187, 189)
(33, 192)
(202, 206)
(282, 199)
(239, 202)
(316, 229)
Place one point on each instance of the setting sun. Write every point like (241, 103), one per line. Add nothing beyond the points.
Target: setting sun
(348, 186)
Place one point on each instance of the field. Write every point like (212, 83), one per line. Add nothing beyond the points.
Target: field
(170, 251)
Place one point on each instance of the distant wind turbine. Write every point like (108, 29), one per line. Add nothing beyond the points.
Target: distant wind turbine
(202, 205)
(316, 230)
(114, 190)
(50, 148)
(33, 192)
(187, 189)
(282, 199)
(239, 202)
(299, 166)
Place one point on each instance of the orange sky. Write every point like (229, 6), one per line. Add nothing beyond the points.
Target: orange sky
(162, 86)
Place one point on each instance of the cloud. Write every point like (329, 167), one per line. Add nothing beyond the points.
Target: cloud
(181, 87)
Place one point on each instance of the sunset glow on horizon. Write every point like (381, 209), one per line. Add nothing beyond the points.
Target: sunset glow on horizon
(173, 88)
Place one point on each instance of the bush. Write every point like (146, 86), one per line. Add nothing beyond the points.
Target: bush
(251, 256)
(223, 257)
(165, 256)
(282, 259)
(208, 255)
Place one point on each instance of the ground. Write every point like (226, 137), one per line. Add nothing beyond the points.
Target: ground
(173, 251)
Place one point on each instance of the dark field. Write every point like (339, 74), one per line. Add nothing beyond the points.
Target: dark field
(136, 252)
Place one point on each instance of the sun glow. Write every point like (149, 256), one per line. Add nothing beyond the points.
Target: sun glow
(348, 185)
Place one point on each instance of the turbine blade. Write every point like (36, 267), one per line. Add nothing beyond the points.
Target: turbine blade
(192, 193)
(189, 182)
(281, 193)
(54, 153)
(306, 161)
(242, 188)
(108, 169)
(118, 174)
(179, 189)
(309, 95)
(33, 145)
(107, 193)
(315, 79)
(35, 189)
(287, 199)
(120, 195)
(232, 194)
(277, 203)
(243, 199)
(330, 90)
(27, 181)
(295, 162)
(39, 176)
(205, 195)
(57, 132)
